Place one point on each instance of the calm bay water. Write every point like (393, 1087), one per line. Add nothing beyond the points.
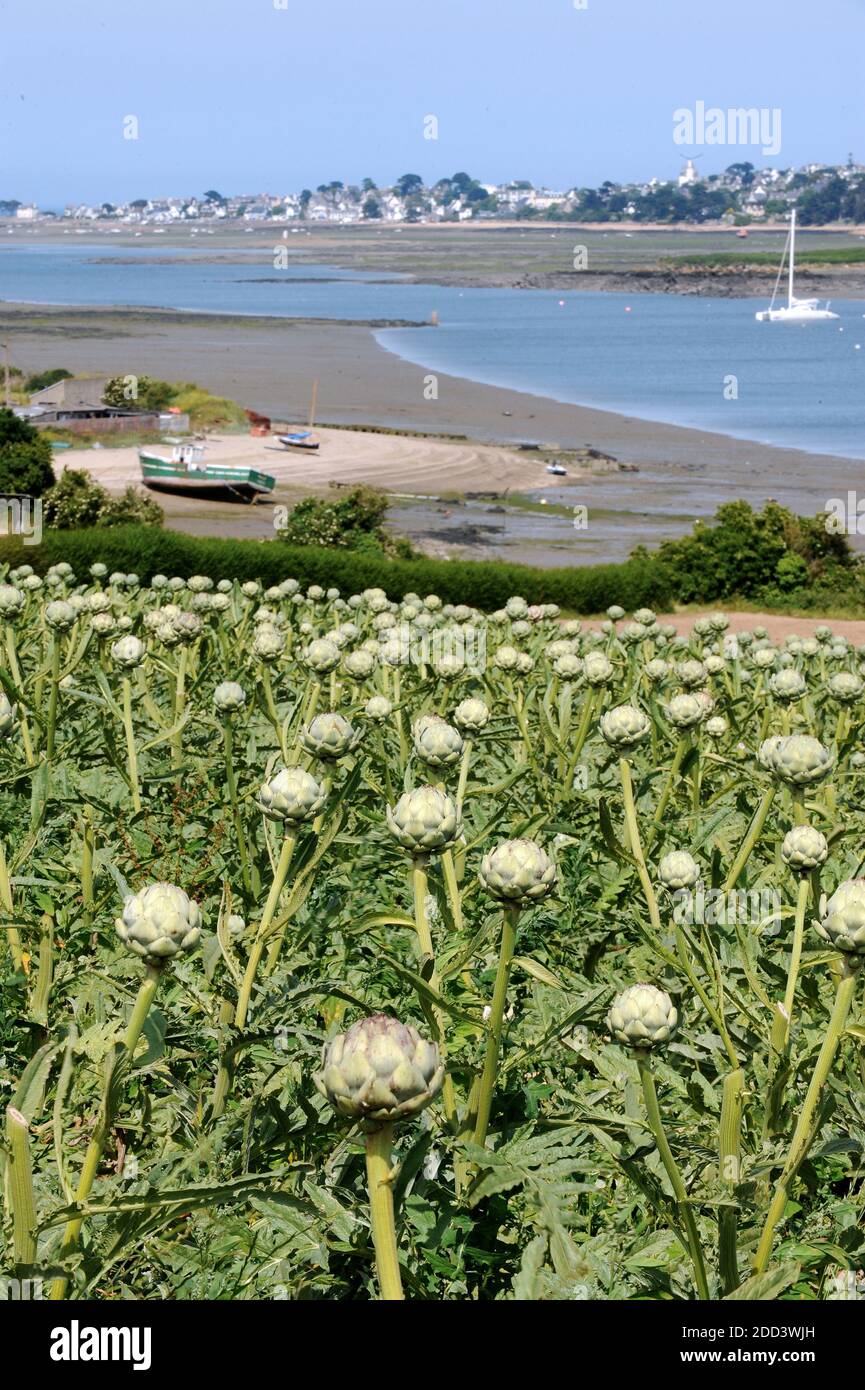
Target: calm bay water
(687, 361)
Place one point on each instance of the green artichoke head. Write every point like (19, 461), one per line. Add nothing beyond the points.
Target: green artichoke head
(436, 741)
(804, 849)
(378, 708)
(128, 652)
(843, 924)
(597, 669)
(329, 736)
(424, 821)
(322, 656)
(518, 871)
(471, 715)
(293, 796)
(624, 727)
(678, 869)
(380, 1071)
(229, 697)
(8, 713)
(643, 1017)
(159, 922)
(800, 760)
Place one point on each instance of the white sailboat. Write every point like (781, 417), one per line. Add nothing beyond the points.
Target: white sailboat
(796, 310)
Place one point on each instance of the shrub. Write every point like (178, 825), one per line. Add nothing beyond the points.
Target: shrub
(76, 501)
(145, 392)
(25, 457)
(353, 520)
(747, 553)
(206, 411)
(484, 584)
(43, 379)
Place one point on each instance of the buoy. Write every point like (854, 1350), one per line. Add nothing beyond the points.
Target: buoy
(627, 308)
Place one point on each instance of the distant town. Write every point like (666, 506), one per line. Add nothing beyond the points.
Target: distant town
(741, 194)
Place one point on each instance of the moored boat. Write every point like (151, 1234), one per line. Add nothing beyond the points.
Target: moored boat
(186, 472)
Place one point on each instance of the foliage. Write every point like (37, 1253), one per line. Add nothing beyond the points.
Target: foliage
(76, 501)
(25, 457)
(486, 584)
(205, 411)
(755, 553)
(138, 393)
(223, 1173)
(352, 520)
(47, 378)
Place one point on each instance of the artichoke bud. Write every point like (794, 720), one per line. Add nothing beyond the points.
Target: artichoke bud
(678, 870)
(643, 1016)
(424, 821)
(843, 924)
(804, 849)
(380, 1071)
(624, 727)
(159, 922)
(293, 796)
(329, 736)
(228, 697)
(518, 871)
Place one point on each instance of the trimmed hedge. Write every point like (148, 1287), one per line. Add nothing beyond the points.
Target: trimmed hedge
(149, 550)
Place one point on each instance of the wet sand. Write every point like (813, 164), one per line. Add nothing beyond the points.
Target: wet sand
(269, 365)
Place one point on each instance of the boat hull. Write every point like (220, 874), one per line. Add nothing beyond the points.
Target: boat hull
(221, 482)
(794, 315)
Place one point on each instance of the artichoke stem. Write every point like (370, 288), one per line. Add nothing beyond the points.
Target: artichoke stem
(15, 670)
(131, 750)
(51, 727)
(420, 883)
(656, 1125)
(750, 840)
(378, 1174)
(267, 917)
(231, 781)
(12, 934)
(796, 951)
(803, 1135)
(729, 1159)
(20, 1179)
(510, 921)
(103, 1125)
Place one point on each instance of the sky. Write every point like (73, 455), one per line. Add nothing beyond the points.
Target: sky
(276, 95)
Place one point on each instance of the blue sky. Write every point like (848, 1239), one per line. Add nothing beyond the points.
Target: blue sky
(243, 95)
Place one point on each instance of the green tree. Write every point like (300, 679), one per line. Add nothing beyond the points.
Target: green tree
(47, 378)
(132, 392)
(25, 457)
(371, 209)
(408, 183)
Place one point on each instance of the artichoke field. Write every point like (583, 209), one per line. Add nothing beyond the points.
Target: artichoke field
(353, 949)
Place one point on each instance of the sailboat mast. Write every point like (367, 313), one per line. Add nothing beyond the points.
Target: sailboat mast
(312, 402)
(792, 258)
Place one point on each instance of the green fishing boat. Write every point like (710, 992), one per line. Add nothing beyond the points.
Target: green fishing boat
(186, 472)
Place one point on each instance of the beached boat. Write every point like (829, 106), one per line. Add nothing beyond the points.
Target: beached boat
(303, 439)
(558, 469)
(186, 472)
(796, 310)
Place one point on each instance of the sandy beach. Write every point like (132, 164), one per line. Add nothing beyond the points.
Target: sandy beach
(269, 365)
